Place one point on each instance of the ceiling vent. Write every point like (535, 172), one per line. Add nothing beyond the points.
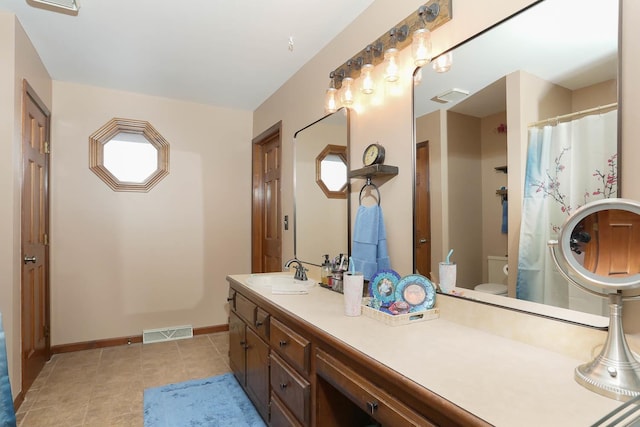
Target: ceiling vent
(57, 5)
(452, 95)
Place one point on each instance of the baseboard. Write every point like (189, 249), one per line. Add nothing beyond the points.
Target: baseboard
(111, 342)
(18, 401)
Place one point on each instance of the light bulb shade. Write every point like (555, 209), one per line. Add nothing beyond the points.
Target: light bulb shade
(421, 47)
(367, 79)
(443, 62)
(346, 95)
(330, 103)
(391, 70)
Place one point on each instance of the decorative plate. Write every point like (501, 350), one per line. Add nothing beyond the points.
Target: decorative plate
(382, 286)
(417, 291)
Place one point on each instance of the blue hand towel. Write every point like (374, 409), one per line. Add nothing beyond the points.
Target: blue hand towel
(7, 414)
(369, 250)
(505, 216)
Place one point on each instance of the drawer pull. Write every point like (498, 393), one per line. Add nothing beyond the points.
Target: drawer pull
(283, 343)
(283, 386)
(242, 343)
(372, 407)
(258, 323)
(229, 299)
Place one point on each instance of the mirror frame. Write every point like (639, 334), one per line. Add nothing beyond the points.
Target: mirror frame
(561, 314)
(107, 132)
(347, 112)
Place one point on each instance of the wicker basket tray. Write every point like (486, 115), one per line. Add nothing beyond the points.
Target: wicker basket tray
(399, 319)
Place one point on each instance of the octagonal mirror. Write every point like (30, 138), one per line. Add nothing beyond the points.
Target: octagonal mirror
(331, 171)
(129, 155)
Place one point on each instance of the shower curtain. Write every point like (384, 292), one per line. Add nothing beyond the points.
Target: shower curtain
(568, 165)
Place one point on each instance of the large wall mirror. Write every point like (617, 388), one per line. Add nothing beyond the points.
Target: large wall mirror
(321, 212)
(545, 78)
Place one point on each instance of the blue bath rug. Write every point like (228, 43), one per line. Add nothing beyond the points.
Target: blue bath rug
(215, 401)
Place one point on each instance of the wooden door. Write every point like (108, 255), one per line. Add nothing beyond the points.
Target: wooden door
(266, 211)
(35, 317)
(614, 247)
(423, 211)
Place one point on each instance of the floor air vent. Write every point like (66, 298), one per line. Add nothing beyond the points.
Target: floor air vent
(167, 334)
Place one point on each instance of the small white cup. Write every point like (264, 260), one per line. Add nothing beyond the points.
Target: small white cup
(352, 289)
(447, 276)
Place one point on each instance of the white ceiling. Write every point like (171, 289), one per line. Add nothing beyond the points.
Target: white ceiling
(227, 53)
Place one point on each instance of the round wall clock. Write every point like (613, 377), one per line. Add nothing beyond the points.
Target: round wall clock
(373, 155)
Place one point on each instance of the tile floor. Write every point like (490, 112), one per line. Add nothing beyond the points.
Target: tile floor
(104, 387)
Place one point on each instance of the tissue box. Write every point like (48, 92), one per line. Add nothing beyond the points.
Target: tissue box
(398, 319)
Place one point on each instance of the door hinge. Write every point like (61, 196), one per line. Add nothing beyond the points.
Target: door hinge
(47, 147)
(45, 331)
(45, 239)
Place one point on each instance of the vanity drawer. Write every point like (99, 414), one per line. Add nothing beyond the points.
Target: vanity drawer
(262, 323)
(280, 415)
(376, 402)
(245, 309)
(291, 346)
(293, 390)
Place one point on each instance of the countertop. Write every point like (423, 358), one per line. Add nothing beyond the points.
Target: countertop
(502, 381)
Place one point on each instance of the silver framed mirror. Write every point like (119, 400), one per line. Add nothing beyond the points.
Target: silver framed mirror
(321, 221)
(506, 83)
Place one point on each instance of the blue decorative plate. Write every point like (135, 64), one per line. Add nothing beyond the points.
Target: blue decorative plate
(382, 286)
(417, 291)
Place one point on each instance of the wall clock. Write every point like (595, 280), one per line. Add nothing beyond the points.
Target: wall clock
(373, 155)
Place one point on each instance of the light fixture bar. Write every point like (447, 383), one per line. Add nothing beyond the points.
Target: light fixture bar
(71, 5)
(431, 15)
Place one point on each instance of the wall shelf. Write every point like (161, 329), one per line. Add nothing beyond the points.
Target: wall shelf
(374, 171)
(501, 169)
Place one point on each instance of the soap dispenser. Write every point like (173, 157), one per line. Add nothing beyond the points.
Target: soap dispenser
(325, 272)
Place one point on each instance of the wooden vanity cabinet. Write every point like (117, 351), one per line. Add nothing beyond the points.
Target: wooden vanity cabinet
(299, 376)
(249, 351)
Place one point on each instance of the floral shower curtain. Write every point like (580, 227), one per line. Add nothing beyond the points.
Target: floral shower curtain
(568, 165)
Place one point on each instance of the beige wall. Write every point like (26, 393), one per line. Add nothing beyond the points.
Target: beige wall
(18, 61)
(465, 197)
(124, 262)
(494, 154)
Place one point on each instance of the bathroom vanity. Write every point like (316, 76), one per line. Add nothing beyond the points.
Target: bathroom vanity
(303, 363)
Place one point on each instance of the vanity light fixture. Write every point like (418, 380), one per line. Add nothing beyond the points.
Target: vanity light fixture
(66, 5)
(330, 102)
(421, 47)
(391, 69)
(442, 63)
(421, 44)
(346, 95)
(386, 48)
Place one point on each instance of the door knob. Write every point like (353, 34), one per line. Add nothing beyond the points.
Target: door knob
(28, 259)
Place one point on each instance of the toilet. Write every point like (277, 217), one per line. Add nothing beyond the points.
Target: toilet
(498, 274)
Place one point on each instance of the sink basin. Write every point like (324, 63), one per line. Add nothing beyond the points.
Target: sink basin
(280, 283)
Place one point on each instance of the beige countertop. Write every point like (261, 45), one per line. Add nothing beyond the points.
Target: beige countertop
(503, 381)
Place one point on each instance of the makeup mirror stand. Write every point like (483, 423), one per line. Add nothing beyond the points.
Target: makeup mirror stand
(615, 372)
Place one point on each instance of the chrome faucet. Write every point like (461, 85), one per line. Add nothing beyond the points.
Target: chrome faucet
(301, 272)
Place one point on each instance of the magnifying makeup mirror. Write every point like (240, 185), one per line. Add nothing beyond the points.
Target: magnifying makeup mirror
(599, 252)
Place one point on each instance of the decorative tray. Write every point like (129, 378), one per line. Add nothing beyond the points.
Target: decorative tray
(398, 319)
